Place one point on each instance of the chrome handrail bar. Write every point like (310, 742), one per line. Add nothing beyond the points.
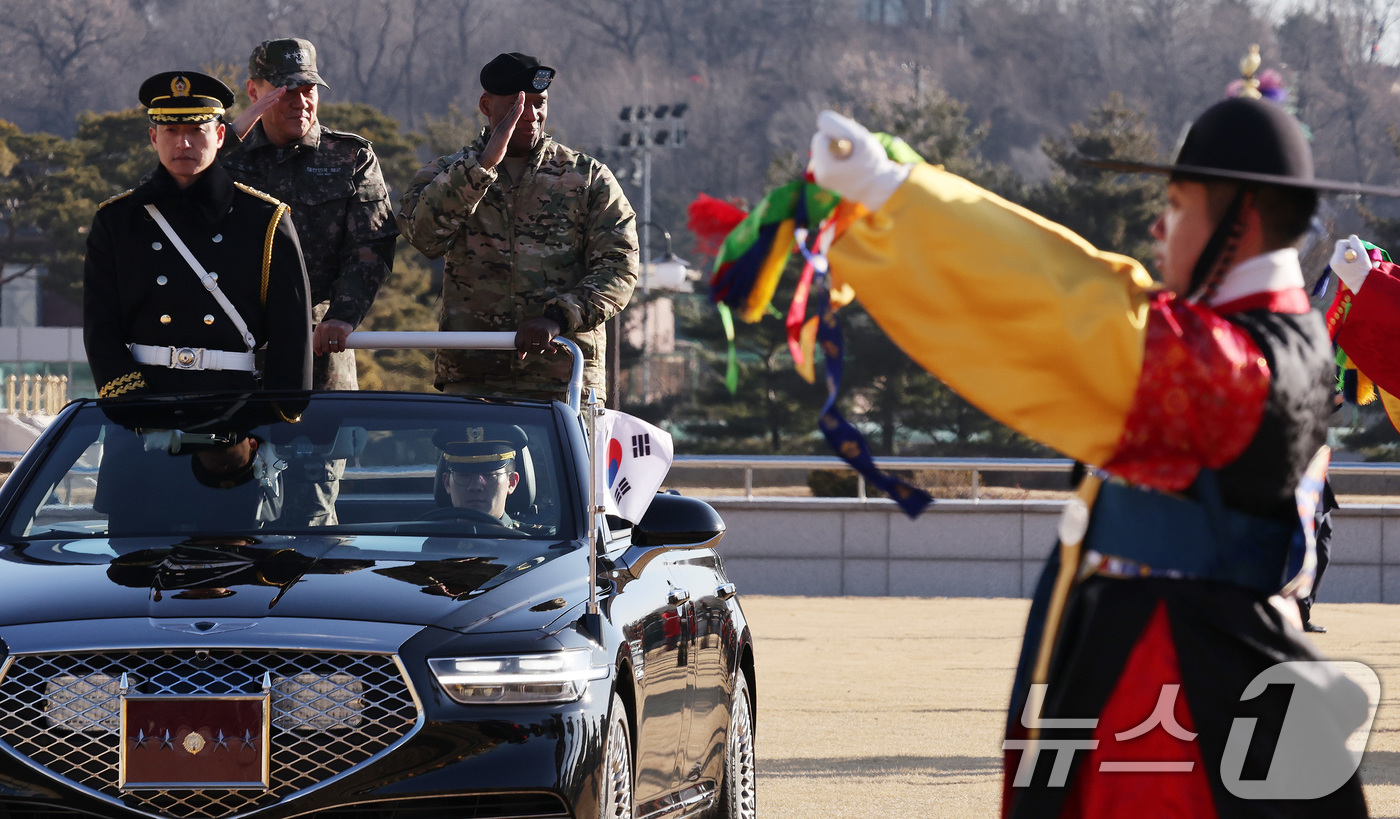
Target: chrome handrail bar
(456, 340)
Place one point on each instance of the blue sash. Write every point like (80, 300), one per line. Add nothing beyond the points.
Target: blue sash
(1192, 538)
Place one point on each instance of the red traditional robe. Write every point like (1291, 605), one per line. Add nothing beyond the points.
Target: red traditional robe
(1078, 349)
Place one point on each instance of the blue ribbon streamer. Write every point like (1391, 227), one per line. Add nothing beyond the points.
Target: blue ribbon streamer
(844, 439)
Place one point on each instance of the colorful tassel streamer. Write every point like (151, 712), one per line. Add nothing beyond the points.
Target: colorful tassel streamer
(843, 438)
(750, 263)
(752, 257)
(711, 220)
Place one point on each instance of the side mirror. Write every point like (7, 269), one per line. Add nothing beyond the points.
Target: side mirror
(676, 520)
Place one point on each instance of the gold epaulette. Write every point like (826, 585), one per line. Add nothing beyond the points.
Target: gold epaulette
(126, 192)
(123, 384)
(255, 192)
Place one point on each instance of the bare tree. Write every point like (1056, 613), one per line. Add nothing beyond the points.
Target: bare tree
(67, 45)
(623, 24)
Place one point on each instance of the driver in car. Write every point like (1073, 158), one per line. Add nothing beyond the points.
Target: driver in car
(479, 471)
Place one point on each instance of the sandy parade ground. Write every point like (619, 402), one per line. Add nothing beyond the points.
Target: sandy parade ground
(894, 707)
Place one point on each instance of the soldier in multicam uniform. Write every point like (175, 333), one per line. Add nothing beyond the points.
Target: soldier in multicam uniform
(333, 184)
(191, 278)
(539, 239)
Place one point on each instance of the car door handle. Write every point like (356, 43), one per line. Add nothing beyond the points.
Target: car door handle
(726, 591)
(678, 596)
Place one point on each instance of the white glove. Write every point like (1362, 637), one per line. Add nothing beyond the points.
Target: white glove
(1352, 271)
(863, 174)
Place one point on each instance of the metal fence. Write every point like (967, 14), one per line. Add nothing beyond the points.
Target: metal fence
(976, 466)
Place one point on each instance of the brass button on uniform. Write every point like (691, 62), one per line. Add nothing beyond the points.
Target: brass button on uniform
(165, 319)
(208, 319)
(156, 245)
(161, 280)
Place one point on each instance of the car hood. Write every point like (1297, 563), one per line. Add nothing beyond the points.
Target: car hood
(465, 585)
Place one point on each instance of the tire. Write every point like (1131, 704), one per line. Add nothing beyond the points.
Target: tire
(615, 796)
(739, 793)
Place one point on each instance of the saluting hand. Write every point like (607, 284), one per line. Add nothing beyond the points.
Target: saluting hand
(254, 112)
(501, 133)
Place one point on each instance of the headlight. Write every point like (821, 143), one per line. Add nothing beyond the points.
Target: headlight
(560, 676)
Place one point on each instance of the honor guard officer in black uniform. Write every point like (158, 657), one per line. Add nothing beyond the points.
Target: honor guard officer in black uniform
(194, 283)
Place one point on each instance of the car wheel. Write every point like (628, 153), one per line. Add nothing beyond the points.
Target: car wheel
(615, 798)
(738, 796)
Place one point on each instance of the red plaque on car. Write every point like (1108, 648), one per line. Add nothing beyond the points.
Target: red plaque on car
(194, 742)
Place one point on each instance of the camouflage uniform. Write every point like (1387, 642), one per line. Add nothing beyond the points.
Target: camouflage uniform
(561, 242)
(340, 206)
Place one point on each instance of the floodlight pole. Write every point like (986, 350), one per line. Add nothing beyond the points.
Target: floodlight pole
(644, 114)
(646, 272)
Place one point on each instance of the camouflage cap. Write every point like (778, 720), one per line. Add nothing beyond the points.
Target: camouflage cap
(289, 62)
(515, 72)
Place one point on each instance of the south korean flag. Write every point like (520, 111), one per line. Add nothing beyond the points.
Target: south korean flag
(633, 458)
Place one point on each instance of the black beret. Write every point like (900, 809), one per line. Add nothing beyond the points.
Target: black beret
(185, 97)
(515, 72)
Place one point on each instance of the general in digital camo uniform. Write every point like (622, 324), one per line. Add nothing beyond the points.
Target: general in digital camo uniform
(193, 282)
(332, 181)
(539, 240)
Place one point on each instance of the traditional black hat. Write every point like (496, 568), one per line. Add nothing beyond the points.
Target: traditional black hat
(185, 98)
(480, 448)
(1248, 140)
(513, 73)
(289, 62)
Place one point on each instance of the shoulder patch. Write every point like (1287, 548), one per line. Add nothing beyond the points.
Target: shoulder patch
(255, 192)
(347, 135)
(126, 192)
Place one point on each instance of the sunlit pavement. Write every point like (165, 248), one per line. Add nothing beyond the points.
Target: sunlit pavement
(894, 707)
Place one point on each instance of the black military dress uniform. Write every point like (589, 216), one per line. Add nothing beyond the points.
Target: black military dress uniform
(142, 300)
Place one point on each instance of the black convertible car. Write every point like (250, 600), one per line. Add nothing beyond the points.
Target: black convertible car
(274, 605)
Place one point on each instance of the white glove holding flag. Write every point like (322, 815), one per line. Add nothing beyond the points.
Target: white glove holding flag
(632, 460)
(1351, 262)
(848, 159)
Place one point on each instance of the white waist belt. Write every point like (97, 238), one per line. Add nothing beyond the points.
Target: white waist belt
(192, 358)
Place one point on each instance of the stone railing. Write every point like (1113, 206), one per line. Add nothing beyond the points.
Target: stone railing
(35, 394)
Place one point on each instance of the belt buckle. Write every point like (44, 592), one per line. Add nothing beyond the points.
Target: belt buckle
(185, 358)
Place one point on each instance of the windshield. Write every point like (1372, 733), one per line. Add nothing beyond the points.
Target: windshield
(325, 465)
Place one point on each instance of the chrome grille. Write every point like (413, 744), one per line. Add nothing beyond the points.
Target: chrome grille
(330, 712)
